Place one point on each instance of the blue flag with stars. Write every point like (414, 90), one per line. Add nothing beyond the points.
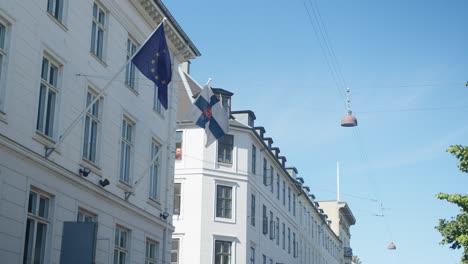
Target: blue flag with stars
(154, 61)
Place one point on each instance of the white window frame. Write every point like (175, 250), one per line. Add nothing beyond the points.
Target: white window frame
(151, 251)
(34, 215)
(4, 49)
(253, 210)
(179, 145)
(223, 150)
(43, 126)
(252, 255)
(155, 171)
(130, 68)
(232, 240)
(179, 213)
(127, 153)
(157, 106)
(121, 247)
(234, 187)
(93, 116)
(97, 26)
(84, 215)
(254, 160)
(54, 12)
(175, 251)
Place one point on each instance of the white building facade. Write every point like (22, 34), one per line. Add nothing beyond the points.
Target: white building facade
(104, 181)
(236, 202)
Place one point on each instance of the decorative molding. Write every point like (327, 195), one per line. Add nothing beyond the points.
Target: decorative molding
(153, 12)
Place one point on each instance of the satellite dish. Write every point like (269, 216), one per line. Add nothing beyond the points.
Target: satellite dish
(391, 246)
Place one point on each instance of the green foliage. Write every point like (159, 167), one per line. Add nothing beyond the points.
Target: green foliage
(455, 230)
(461, 153)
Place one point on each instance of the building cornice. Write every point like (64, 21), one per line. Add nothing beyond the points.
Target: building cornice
(154, 11)
(24, 152)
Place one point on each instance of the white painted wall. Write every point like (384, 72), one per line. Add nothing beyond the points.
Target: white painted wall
(197, 227)
(31, 33)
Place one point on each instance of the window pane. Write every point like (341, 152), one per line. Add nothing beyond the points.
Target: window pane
(93, 141)
(50, 114)
(40, 243)
(86, 138)
(43, 207)
(28, 241)
(93, 38)
(100, 41)
(32, 202)
(2, 36)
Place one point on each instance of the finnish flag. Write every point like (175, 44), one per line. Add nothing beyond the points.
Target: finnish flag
(208, 113)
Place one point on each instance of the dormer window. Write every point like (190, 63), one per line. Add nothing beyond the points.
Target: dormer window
(224, 98)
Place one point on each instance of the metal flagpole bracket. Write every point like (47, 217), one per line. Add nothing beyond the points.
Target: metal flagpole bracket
(127, 195)
(48, 151)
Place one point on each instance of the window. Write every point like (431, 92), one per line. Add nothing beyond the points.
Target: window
(289, 199)
(271, 179)
(284, 193)
(97, 31)
(154, 171)
(277, 231)
(265, 220)
(252, 210)
(85, 216)
(152, 251)
(126, 149)
(294, 245)
(37, 226)
(264, 259)
(254, 159)
(272, 226)
(177, 198)
(3, 54)
(175, 247)
(289, 240)
(294, 204)
(225, 145)
(252, 255)
(47, 97)
(91, 128)
(55, 9)
(223, 201)
(284, 236)
(157, 106)
(121, 245)
(178, 145)
(277, 186)
(265, 181)
(222, 252)
(130, 79)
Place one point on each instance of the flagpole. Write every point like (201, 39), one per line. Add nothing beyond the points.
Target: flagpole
(49, 150)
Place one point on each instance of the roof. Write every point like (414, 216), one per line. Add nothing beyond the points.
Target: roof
(182, 33)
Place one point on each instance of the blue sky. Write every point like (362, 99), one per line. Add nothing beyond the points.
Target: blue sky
(406, 65)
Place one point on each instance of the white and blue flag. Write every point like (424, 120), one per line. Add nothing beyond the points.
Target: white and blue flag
(208, 113)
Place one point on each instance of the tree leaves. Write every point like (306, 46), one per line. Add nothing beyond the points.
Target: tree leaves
(455, 231)
(461, 153)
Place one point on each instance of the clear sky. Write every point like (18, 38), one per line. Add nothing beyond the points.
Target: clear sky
(406, 63)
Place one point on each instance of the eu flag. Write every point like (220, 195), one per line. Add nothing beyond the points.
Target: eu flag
(154, 61)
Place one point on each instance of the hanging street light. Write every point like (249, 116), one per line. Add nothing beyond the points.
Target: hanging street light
(348, 120)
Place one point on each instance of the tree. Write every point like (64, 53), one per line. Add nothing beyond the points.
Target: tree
(455, 231)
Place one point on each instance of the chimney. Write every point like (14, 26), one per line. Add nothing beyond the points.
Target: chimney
(245, 117)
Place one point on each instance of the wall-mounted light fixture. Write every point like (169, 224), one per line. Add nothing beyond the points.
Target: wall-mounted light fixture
(85, 171)
(104, 182)
(164, 215)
